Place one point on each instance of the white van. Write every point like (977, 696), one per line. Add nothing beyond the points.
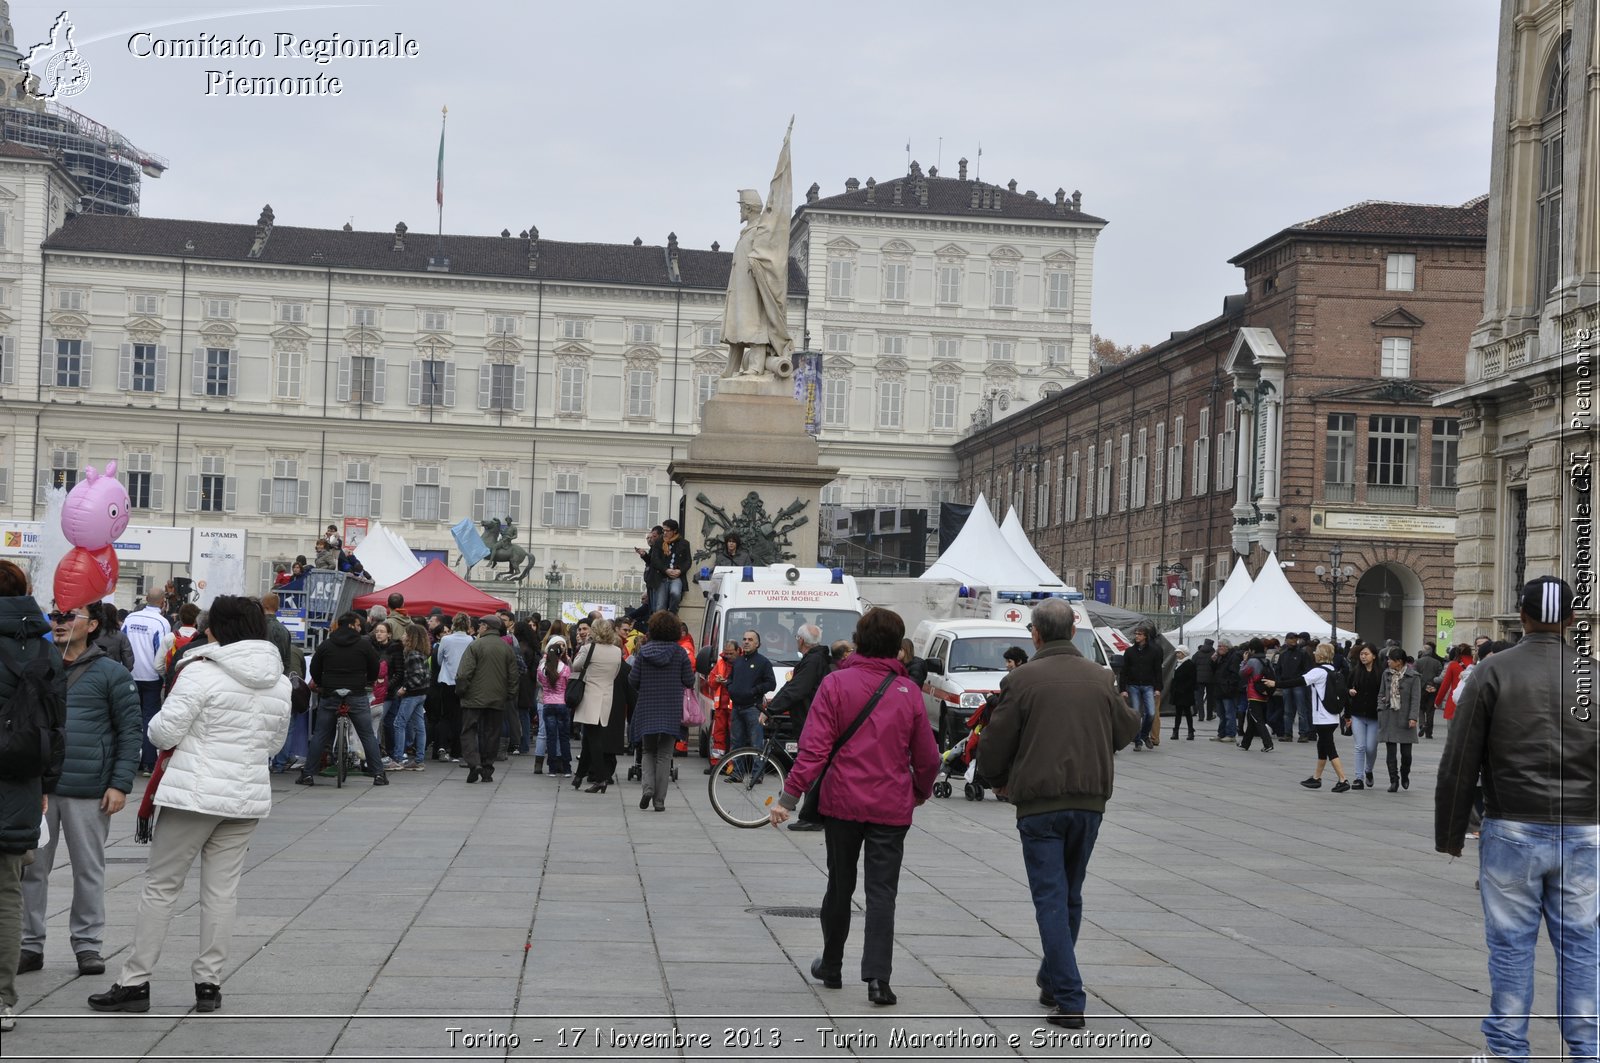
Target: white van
(965, 661)
(775, 601)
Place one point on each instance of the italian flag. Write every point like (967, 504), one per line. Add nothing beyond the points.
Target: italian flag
(439, 181)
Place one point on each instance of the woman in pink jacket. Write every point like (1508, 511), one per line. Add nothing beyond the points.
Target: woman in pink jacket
(883, 764)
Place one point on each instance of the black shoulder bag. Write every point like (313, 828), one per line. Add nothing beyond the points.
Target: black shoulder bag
(810, 810)
(576, 686)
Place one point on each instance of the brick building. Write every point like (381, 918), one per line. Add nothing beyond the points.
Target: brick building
(1299, 418)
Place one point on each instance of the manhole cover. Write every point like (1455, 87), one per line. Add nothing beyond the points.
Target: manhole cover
(787, 913)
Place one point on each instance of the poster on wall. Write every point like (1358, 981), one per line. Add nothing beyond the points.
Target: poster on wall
(1446, 628)
(355, 530)
(217, 564)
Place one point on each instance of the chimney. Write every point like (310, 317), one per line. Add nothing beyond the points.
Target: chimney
(400, 236)
(263, 231)
(916, 169)
(813, 192)
(715, 246)
(898, 187)
(1077, 200)
(975, 191)
(872, 190)
(316, 256)
(532, 237)
(1061, 201)
(1032, 194)
(983, 200)
(933, 171)
(922, 193)
(851, 185)
(1012, 184)
(961, 170)
(348, 227)
(673, 273)
(637, 242)
(505, 234)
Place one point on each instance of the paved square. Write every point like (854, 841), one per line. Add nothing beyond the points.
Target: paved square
(1229, 914)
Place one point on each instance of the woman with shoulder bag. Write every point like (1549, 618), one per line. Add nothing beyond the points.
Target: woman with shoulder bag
(661, 672)
(869, 752)
(597, 665)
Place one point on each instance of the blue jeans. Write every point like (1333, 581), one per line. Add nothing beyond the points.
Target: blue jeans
(667, 595)
(410, 728)
(391, 709)
(1297, 706)
(746, 728)
(149, 705)
(1364, 733)
(1143, 700)
(529, 726)
(558, 738)
(1228, 714)
(360, 703)
(1528, 872)
(1056, 848)
(294, 744)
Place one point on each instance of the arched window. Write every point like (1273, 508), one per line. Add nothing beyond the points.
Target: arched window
(1552, 164)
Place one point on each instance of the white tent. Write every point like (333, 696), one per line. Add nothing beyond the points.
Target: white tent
(1017, 539)
(981, 556)
(386, 557)
(1270, 608)
(1204, 623)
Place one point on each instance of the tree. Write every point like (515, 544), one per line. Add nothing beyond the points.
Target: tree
(1104, 353)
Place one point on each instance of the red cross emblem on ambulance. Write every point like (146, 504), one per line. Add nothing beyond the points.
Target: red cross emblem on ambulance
(1013, 616)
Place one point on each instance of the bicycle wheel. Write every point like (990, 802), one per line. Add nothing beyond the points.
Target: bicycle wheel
(745, 786)
(341, 751)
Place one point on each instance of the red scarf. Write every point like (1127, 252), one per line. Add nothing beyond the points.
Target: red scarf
(145, 830)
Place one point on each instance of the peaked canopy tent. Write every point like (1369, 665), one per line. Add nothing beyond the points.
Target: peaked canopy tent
(1204, 623)
(982, 556)
(385, 556)
(1017, 539)
(1271, 608)
(435, 585)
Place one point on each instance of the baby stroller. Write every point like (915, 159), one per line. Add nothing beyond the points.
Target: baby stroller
(962, 758)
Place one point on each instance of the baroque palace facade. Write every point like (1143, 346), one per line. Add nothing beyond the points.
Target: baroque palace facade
(1300, 418)
(278, 379)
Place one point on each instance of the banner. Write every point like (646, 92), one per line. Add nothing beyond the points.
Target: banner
(572, 612)
(1446, 628)
(21, 538)
(469, 541)
(808, 387)
(355, 532)
(217, 564)
(1102, 591)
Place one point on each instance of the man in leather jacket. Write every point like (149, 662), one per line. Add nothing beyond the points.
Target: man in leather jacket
(794, 699)
(1527, 723)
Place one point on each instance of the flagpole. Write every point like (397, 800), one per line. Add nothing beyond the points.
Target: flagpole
(439, 261)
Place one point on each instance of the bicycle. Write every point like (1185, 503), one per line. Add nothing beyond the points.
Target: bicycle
(344, 736)
(747, 781)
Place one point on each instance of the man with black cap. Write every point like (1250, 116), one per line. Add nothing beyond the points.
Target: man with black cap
(1204, 667)
(1294, 661)
(486, 679)
(1527, 723)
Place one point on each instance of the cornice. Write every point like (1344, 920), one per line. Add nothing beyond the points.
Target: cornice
(1035, 227)
(931, 323)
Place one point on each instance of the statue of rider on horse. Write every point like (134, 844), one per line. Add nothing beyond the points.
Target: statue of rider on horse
(497, 536)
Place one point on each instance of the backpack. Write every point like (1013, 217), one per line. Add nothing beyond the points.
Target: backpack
(168, 673)
(1335, 695)
(33, 718)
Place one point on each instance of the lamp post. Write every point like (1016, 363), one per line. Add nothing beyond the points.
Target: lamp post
(552, 580)
(1335, 575)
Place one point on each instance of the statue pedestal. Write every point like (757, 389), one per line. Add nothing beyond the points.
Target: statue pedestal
(752, 439)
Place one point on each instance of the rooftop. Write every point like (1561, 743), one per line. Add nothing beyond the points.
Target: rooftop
(1468, 222)
(916, 193)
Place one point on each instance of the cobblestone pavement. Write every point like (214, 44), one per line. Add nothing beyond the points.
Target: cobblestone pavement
(1229, 914)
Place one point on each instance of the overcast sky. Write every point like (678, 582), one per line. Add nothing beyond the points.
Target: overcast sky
(1195, 128)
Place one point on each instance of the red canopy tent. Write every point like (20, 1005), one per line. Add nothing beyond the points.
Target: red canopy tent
(435, 585)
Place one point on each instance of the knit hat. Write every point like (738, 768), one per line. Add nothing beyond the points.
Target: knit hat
(1547, 599)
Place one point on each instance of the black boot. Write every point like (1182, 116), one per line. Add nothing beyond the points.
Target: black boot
(1394, 784)
(207, 996)
(538, 765)
(122, 998)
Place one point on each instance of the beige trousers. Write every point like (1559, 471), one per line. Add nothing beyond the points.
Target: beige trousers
(179, 837)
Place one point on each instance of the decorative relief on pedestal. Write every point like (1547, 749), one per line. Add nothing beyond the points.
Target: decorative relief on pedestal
(765, 538)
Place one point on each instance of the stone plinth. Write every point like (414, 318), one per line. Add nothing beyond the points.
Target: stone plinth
(751, 439)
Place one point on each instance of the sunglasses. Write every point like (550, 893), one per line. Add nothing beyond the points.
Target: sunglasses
(64, 618)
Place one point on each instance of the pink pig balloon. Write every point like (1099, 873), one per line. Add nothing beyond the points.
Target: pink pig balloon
(97, 509)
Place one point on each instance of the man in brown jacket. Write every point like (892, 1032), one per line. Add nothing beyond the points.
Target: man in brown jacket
(486, 679)
(1048, 749)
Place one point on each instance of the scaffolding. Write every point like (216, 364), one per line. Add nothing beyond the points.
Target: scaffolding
(105, 163)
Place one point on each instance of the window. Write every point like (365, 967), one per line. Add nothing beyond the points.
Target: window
(64, 468)
(8, 360)
(499, 500)
(1392, 459)
(69, 299)
(1175, 461)
(1058, 290)
(1091, 495)
(841, 278)
(72, 366)
(144, 369)
(212, 490)
(947, 348)
(838, 342)
(1124, 473)
(361, 316)
(364, 375)
(705, 386)
(144, 485)
(284, 494)
(891, 403)
(1056, 354)
(565, 506)
(1339, 463)
(1225, 455)
(1005, 286)
(950, 285)
(1002, 350)
(1552, 171)
(432, 383)
(1141, 469)
(888, 492)
(219, 309)
(572, 380)
(1446, 456)
(146, 305)
(218, 372)
(572, 328)
(358, 495)
(896, 282)
(1160, 487)
(502, 387)
(893, 344)
(1396, 359)
(291, 313)
(641, 332)
(633, 509)
(289, 373)
(429, 499)
(641, 391)
(943, 417)
(1069, 496)
(1401, 274)
(711, 335)
(433, 320)
(835, 401)
(504, 325)
(1104, 501)
(1202, 455)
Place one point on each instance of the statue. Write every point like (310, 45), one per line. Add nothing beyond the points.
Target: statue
(765, 538)
(498, 536)
(755, 322)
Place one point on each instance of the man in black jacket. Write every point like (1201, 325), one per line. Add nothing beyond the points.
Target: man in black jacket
(1228, 687)
(1141, 684)
(794, 700)
(750, 680)
(670, 559)
(1294, 660)
(1204, 707)
(345, 661)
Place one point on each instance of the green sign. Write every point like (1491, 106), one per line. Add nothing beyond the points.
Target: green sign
(1446, 627)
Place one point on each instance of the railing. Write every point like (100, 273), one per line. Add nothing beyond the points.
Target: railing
(1442, 497)
(1391, 496)
(1338, 492)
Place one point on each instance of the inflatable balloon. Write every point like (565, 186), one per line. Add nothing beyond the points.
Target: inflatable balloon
(97, 509)
(85, 576)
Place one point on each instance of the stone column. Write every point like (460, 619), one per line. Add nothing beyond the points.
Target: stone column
(1479, 545)
(1243, 508)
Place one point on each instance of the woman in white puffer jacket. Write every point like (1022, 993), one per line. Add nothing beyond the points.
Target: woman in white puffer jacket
(227, 715)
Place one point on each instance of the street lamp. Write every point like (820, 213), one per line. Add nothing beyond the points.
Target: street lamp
(552, 580)
(1334, 575)
(1179, 603)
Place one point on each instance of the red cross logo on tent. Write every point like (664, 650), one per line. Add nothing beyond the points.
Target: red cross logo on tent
(1013, 616)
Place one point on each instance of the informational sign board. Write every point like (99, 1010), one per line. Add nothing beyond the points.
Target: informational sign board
(217, 563)
(355, 530)
(572, 612)
(1102, 591)
(20, 538)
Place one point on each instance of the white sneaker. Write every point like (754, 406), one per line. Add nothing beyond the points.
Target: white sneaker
(8, 1019)
(415, 765)
(390, 764)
